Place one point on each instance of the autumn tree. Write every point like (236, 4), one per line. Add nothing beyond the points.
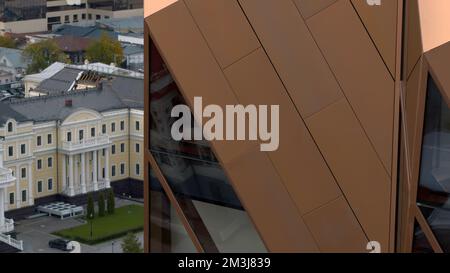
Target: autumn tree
(43, 54)
(105, 50)
(6, 41)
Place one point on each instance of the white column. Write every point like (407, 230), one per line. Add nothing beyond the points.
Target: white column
(18, 193)
(95, 170)
(83, 173)
(77, 176)
(107, 181)
(2, 208)
(64, 171)
(71, 189)
(30, 184)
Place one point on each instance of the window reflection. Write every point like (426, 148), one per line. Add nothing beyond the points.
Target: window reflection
(420, 242)
(167, 233)
(434, 183)
(18, 10)
(194, 174)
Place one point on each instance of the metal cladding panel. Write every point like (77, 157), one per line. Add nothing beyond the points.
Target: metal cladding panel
(364, 78)
(413, 36)
(381, 24)
(294, 54)
(225, 28)
(309, 8)
(356, 167)
(336, 229)
(255, 82)
(251, 173)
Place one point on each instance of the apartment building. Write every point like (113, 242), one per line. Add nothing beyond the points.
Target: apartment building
(28, 16)
(73, 141)
(363, 94)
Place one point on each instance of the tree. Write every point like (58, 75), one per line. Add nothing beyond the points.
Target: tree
(90, 210)
(131, 244)
(101, 205)
(6, 41)
(111, 204)
(105, 50)
(43, 54)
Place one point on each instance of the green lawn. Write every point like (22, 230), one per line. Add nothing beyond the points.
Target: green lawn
(125, 219)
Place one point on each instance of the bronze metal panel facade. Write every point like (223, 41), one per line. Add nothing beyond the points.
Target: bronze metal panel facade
(381, 24)
(309, 8)
(255, 82)
(328, 187)
(250, 171)
(369, 88)
(231, 41)
(355, 166)
(294, 54)
(336, 229)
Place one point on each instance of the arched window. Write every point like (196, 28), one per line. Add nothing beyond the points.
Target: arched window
(10, 127)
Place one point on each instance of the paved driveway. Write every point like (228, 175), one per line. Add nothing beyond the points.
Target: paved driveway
(36, 233)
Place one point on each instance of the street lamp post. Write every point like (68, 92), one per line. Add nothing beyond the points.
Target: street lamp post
(91, 217)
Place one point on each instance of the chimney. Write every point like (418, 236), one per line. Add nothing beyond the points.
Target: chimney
(68, 103)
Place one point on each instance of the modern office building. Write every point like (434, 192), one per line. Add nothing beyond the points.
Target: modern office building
(82, 135)
(28, 16)
(363, 94)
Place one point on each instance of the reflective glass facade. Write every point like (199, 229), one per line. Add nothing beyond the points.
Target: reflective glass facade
(434, 183)
(19, 10)
(115, 5)
(194, 174)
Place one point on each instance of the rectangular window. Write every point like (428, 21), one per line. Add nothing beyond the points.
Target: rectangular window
(81, 134)
(122, 125)
(113, 127)
(23, 149)
(66, 19)
(24, 196)
(103, 152)
(138, 126)
(92, 132)
(113, 149)
(122, 169)
(69, 136)
(23, 173)
(39, 164)
(83, 16)
(138, 169)
(75, 17)
(49, 139)
(113, 170)
(39, 141)
(50, 184)
(103, 172)
(138, 148)
(39, 186)
(122, 147)
(50, 162)
(11, 198)
(104, 129)
(10, 151)
(90, 16)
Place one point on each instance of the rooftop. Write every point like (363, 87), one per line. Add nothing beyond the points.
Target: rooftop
(114, 92)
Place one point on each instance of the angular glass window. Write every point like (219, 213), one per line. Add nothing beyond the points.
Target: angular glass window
(194, 174)
(167, 233)
(434, 183)
(420, 241)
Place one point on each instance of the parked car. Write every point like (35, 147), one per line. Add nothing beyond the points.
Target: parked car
(60, 244)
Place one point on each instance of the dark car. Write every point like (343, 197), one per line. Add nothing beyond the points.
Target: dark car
(60, 244)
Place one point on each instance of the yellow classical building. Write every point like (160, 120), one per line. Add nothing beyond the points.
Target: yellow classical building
(84, 136)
